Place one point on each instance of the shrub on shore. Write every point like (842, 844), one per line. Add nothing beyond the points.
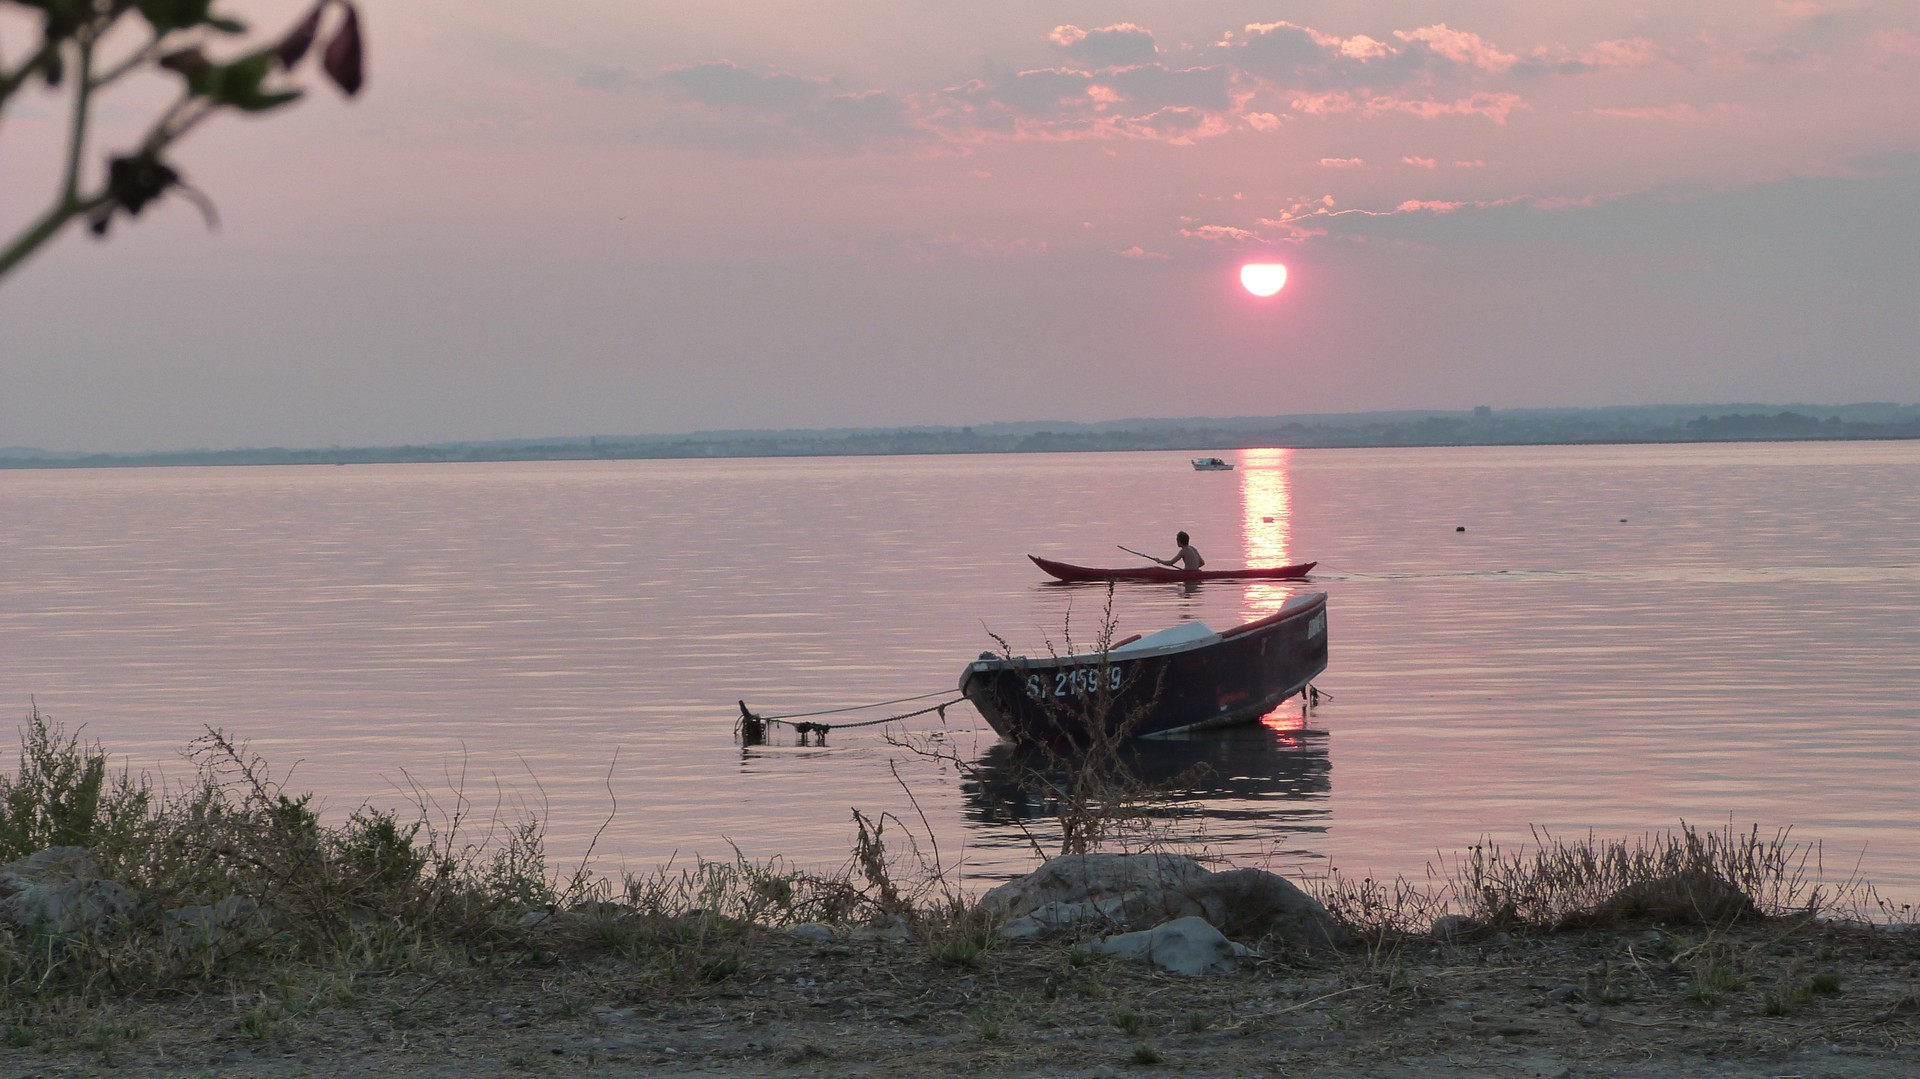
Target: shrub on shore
(1687, 876)
(233, 875)
(227, 865)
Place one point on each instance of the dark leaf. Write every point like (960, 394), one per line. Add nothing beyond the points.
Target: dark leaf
(226, 25)
(238, 83)
(187, 62)
(55, 69)
(299, 39)
(62, 17)
(261, 102)
(242, 84)
(136, 180)
(343, 56)
(169, 15)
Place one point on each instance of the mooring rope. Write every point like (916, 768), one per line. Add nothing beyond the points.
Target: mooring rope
(752, 729)
(940, 708)
(855, 708)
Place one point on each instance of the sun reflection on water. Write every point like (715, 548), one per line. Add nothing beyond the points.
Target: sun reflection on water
(1266, 524)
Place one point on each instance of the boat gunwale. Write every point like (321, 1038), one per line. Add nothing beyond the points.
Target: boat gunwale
(1295, 607)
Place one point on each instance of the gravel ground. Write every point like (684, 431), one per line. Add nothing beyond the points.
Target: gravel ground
(1773, 999)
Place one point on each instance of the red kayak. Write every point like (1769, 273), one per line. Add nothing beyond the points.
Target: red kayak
(1068, 572)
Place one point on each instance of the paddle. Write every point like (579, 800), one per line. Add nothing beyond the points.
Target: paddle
(1149, 557)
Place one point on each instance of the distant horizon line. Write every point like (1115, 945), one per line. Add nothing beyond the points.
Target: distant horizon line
(1889, 411)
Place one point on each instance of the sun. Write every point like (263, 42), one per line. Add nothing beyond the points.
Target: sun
(1263, 278)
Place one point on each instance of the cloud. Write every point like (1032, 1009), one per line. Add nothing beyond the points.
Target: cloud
(1420, 162)
(1341, 163)
(1459, 47)
(1120, 45)
(1680, 113)
(981, 247)
(1603, 57)
(725, 84)
(613, 79)
(1297, 58)
(1048, 92)
(774, 110)
(1159, 87)
(1142, 254)
(1115, 83)
(1218, 233)
(1491, 106)
(1894, 49)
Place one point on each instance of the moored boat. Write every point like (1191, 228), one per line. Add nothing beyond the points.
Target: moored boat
(1211, 464)
(1067, 571)
(1183, 678)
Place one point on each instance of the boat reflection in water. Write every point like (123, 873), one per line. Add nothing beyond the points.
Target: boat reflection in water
(1242, 791)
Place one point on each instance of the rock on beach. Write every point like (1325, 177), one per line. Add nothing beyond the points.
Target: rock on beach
(1134, 892)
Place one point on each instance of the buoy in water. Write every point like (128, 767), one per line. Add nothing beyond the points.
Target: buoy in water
(1459, 528)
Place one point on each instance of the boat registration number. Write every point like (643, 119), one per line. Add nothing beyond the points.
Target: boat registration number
(1077, 682)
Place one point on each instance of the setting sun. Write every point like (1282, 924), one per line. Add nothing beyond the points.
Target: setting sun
(1263, 278)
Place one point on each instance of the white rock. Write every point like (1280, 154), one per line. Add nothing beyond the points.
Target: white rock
(1189, 946)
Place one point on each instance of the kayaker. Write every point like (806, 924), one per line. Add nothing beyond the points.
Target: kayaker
(1188, 558)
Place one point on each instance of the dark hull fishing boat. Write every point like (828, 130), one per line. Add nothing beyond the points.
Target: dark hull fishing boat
(1184, 678)
(1067, 571)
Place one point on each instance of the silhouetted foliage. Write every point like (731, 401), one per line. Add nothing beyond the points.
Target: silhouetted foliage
(86, 46)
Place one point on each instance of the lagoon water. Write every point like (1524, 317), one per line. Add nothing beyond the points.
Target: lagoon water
(1621, 638)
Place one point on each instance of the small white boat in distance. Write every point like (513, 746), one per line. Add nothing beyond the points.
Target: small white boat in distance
(1211, 464)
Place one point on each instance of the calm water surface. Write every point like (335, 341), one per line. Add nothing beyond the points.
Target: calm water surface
(1621, 638)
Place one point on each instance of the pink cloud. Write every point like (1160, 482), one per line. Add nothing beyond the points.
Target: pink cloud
(1341, 163)
(1624, 54)
(1490, 106)
(1218, 233)
(1142, 254)
(1120, 45)
(1461, 47)
(1420, 162)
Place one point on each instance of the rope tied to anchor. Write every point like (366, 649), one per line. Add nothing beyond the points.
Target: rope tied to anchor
(751, 729)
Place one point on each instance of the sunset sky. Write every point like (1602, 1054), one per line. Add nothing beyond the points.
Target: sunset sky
(582, 217)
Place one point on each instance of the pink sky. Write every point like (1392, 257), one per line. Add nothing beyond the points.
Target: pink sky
(612, 218)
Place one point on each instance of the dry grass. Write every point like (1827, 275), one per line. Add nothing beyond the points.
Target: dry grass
(1684, 876)
(412, 905)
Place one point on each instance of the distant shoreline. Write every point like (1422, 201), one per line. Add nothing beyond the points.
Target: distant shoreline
(1625, 425)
